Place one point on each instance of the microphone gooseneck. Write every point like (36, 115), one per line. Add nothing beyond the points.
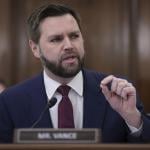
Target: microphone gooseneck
(50, 104)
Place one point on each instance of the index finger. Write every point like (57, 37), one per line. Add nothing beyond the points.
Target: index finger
(107, 80)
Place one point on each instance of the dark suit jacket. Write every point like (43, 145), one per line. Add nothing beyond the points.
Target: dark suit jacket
(22, 104)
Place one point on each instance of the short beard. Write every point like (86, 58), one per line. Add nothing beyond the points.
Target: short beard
(61, 71)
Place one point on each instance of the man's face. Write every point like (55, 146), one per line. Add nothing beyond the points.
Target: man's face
(60, 46)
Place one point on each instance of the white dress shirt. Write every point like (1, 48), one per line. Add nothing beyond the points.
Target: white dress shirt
(75, 95)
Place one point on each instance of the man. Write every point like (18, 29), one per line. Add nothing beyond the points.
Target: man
(55, 38)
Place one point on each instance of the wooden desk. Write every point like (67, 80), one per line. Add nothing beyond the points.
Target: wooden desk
(74, 146)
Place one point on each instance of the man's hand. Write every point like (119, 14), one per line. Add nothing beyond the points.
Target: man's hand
(122, 98)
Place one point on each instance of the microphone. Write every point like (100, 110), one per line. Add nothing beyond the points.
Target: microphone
(50, 104)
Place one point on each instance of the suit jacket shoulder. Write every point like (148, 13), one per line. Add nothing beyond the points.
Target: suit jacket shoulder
(21, 105)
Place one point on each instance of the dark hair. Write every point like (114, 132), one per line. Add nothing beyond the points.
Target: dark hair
(47, 10)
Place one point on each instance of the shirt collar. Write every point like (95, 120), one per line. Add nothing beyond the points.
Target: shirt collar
(77, 83)
(51, 85)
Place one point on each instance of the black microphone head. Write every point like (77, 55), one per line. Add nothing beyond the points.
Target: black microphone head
(52, 102)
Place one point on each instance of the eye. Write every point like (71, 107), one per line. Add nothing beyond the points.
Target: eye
(74, 36)
(56, 39)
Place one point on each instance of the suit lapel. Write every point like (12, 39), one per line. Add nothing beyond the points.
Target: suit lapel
(94, 101)
(38, 103)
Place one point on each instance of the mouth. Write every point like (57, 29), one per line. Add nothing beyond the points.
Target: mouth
(70, 59)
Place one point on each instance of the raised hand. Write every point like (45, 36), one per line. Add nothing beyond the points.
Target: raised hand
(122, 98)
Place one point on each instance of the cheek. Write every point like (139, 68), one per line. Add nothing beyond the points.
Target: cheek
(52, 55)
(50, 52)
(81, 49)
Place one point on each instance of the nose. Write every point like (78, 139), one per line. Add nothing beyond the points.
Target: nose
(67, 44)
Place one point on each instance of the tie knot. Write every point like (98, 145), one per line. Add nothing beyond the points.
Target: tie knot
(64, 90)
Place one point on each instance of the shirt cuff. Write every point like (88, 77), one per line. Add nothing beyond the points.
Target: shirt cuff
(135, 131)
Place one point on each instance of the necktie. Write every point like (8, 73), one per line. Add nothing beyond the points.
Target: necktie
(65, 110)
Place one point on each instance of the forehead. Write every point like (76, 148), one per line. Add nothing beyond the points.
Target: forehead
(59, 24)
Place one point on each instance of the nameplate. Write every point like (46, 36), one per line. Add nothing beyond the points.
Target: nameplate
(44, 135)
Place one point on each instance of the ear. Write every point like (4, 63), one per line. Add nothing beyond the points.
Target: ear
(35, 48)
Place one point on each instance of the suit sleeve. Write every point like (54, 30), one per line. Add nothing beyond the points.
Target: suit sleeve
(6, 126)
(145, 134)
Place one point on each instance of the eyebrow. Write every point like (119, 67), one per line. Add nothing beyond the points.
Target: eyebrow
(56, 35)
(77, 32)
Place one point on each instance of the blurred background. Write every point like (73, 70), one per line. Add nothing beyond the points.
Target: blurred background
(116, 32)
